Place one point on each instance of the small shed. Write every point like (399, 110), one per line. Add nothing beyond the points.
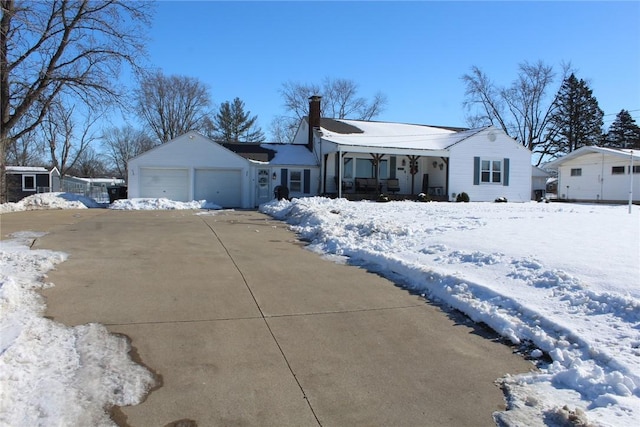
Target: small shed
(23, 181)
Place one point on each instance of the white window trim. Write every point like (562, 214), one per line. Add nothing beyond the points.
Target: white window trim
(301, 181)
(491, 160)
(622, 169)
(35, 183)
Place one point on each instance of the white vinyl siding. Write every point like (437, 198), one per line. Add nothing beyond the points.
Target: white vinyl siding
(597, 180)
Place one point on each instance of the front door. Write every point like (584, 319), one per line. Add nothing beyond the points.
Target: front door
(263, 190)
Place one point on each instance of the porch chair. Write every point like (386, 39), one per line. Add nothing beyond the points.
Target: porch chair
(393, 185)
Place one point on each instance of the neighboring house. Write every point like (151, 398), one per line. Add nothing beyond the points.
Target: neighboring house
(485, 163)
(96, 188)
(193, 167)
(23, 181)
(539, 179)
(598, 174)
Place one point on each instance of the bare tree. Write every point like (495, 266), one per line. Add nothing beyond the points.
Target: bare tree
(340, 100)
(89, 165)
(28, 150)
(523, 109)
(122, 144)
(172, 105)
(60, 48)
(67, 141)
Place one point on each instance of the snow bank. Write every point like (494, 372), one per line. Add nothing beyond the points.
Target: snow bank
(51, 374)
(160, 204)
(562, 280)
(74, 201)
(51, 201)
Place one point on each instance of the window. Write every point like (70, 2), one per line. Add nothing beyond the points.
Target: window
(364, 168)
(617, 170)
(347, 170)
(28, 183)
(295, 181)
(576, 172)
(491, 171)
(636, 169)
(383, 168)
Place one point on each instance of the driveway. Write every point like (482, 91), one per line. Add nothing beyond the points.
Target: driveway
(245, 327)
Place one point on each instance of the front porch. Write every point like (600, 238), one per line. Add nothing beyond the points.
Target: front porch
(399, 174)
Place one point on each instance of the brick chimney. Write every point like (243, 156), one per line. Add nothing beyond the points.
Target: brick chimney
(314, 118)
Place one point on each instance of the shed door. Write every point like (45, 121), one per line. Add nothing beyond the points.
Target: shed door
(172, 184)
(222, 187)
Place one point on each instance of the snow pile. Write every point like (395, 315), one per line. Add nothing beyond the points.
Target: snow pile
(160, 204)
(51, 201)
(51, 374)
(561, 280)
(74, 201)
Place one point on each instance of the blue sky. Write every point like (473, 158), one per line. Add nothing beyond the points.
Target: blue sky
(413, 52)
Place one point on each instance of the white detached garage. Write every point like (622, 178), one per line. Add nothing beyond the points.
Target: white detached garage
(192, 167)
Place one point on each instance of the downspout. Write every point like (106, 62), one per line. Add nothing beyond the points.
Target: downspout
(602, 179)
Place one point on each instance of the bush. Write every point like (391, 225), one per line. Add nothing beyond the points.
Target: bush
(462, 197)
(383, 198)
(423, 198)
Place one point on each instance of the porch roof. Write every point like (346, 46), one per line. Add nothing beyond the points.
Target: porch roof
(393, 138)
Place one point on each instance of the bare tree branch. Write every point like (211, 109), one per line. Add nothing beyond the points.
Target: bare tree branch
(63, 49)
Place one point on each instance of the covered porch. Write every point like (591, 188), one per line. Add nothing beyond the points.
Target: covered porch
(365, 172)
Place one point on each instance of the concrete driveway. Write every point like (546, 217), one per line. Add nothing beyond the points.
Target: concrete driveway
(247, 328)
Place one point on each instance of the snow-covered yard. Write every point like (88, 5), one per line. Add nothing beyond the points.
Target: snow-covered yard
(562, 280)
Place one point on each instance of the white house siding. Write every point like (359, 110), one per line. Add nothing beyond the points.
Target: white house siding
(191, 153)
(597, 182)
(490, 144)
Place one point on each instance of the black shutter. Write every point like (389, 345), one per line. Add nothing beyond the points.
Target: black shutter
(307, 181)
(505, 179)
(392, 167)
(284, 177)
(476, 171)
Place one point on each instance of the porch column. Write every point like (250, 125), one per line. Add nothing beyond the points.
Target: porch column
(339, 183)
(446, 180)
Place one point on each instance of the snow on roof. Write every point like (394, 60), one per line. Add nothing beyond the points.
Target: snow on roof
(618, 152)
(397, 135)
(33, 169)
(291, 154)
(111, 181)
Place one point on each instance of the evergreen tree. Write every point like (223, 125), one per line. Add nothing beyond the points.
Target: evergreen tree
(623, 132)
(233, 124)
(576, 120)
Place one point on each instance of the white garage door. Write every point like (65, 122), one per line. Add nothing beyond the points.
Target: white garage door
(222, 187)
(172, 184)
